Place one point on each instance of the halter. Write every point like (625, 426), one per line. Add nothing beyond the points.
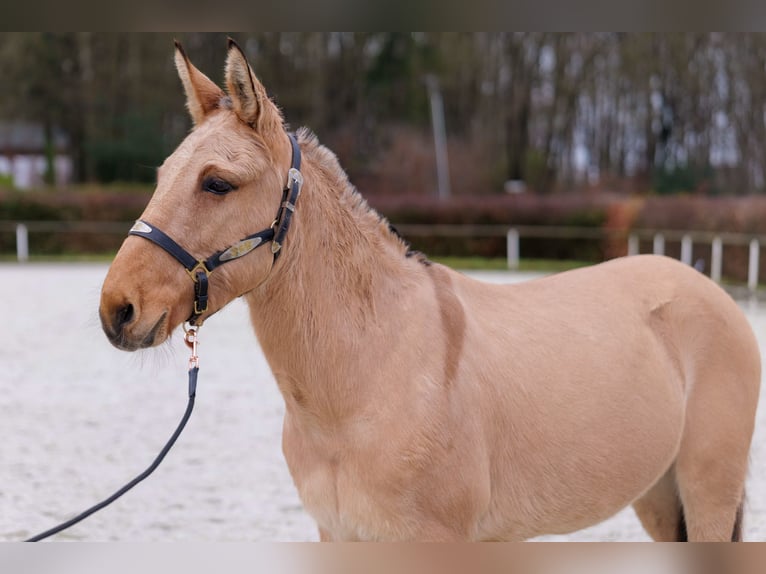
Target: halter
(199, 269)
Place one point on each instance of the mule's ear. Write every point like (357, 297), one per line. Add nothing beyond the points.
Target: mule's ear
(248, 96)
(202, 95)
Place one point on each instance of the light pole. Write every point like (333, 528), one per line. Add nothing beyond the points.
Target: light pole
(440, 136)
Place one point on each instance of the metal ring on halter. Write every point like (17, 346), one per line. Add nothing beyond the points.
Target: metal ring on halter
(190, 338)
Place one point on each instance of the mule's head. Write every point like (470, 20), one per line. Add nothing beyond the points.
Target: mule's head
(223, 182)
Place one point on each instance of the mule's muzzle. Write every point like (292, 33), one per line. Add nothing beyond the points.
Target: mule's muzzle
(123, 316)
(124, 331)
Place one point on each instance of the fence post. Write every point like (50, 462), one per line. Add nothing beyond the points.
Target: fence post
(716, 257)
(633, 248)
(752, 266)
(22, 243)
(513, 249)
(658, 248)
(686, 249)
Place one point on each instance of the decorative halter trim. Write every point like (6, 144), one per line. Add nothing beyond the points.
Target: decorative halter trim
(199, 269)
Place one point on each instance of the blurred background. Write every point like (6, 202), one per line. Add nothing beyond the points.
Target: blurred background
(576, 141)
(530, 151)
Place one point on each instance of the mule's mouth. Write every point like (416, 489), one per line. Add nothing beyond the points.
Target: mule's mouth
(135, 339)
(150, 338)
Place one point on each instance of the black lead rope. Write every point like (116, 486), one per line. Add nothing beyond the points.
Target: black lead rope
(191, 340)
(199, 270)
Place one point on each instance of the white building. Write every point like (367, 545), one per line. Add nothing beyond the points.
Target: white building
(22, 154)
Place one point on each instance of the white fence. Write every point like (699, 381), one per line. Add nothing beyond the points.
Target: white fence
(513, 235)
(716, 242)
(23, 229)
(658, 238)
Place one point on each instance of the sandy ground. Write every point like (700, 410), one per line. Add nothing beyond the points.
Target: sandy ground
(78, 419)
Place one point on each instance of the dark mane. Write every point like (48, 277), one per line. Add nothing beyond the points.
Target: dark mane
(418, 255)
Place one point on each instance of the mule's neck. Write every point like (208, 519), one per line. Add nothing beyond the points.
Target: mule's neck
(340, 273)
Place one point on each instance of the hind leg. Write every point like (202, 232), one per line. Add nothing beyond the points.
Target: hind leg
(659, 510)
(712, 497)
(712, 460)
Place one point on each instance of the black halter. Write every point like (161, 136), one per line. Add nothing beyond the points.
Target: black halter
(199, 269)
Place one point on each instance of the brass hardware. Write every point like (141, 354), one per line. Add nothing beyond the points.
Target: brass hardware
(200, 266)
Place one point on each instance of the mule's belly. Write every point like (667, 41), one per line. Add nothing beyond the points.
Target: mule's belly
(573, 459)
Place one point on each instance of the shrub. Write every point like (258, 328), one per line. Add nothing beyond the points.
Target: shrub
(80, 204)
(561, 210)
(719, 214)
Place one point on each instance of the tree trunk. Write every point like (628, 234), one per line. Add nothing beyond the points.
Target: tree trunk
(49, 177)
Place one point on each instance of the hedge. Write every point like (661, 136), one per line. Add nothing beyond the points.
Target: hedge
(605, 211)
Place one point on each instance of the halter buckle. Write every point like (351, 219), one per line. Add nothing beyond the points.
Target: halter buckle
(197, 309)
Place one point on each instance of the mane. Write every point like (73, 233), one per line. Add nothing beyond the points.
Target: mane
(366, 215)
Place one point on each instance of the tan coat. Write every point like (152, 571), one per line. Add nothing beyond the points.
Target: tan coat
(425, 405)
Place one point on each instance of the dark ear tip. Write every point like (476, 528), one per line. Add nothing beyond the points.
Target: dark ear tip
(233, 45)
(179, 47)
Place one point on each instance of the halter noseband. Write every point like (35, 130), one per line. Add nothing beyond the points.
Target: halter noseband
(199, 269)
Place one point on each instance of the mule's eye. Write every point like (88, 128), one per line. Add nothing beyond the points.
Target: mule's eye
(217, 185)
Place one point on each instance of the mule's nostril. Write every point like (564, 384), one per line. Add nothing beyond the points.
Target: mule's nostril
(124, 315)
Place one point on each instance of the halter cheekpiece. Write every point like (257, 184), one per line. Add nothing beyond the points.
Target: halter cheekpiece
(199, 269)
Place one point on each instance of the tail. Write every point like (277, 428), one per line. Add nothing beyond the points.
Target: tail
(682, 535)
(736, 534)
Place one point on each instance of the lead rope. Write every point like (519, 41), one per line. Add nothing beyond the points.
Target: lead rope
(190, 338)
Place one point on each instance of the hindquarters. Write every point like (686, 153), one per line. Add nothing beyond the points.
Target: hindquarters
(701, 497)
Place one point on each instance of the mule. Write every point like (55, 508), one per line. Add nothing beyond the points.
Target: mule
(421, 404)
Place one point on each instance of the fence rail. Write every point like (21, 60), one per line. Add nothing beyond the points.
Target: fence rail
(513, 234)
(658, 237)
